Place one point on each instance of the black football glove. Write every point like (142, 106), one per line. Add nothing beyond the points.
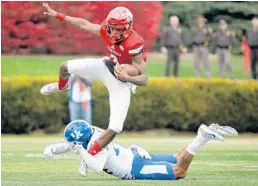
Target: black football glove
(111, 66)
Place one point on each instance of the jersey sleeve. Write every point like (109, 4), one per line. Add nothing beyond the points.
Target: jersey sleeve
(97, 162)
(138, 48)
(136, 51)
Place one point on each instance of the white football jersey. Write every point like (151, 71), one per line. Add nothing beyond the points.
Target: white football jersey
(118, 159)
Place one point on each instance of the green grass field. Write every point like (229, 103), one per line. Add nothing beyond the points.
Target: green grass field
(49, 65)
(234, 162)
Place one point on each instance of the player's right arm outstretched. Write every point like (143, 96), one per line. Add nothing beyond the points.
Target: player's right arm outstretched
(78, 22)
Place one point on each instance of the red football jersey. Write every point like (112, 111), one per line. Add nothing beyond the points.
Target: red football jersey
(125, 50)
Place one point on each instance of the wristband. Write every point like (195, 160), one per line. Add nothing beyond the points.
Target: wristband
(60, 16)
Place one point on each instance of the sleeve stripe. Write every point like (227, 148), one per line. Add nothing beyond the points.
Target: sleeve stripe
(136, 51)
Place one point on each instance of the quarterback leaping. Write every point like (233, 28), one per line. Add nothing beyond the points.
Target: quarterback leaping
(133, 162)
(125, 47)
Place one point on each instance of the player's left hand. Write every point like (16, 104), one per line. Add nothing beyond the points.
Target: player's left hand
(76, 149)
(48, 151)
(120, 73)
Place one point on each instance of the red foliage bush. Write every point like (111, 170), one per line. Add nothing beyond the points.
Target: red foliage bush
(26, 30)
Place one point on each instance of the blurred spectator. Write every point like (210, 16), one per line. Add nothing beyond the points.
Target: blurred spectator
(224, 39)
(201, 34)
(246, 53)
(80, 99)
(252, 38)
(171, 44)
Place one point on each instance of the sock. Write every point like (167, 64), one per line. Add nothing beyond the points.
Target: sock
(94, 149)
(60, 148)
(62, 82)
(197, 142)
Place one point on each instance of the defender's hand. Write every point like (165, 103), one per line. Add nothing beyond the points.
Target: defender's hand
(76, 149)
(50, 12)
(48, 151)
(120, 73)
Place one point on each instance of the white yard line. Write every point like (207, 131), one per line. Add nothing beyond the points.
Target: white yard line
(63, 156)
(253, 164)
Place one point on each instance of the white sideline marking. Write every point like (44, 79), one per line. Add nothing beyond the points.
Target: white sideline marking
(44, 171)
(216, 163)
(55, 157)
(37, 171)
(34, 155)
(226, 164)
(251, 166)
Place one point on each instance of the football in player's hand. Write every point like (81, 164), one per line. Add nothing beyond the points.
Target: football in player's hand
(130, 69)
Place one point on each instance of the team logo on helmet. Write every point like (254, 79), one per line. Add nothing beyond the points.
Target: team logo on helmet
(76, 134)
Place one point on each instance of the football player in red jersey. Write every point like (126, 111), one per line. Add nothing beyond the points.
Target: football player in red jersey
(125, 47)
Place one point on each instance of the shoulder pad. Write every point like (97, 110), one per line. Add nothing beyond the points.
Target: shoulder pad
(135, 44)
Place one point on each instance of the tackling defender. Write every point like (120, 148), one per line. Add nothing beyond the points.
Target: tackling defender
(125, 47)
(134, 162)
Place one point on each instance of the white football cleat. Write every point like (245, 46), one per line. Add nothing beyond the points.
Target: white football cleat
(52, 88)
(82, 167)
(223, 130)
(209, 134)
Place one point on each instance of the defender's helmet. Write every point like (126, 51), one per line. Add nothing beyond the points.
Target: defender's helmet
(78, 131)
(119, 24)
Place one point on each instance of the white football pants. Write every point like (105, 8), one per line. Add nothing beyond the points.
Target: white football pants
(119, 92)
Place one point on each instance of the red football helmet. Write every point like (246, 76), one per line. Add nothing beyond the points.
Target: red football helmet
(119, 24)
